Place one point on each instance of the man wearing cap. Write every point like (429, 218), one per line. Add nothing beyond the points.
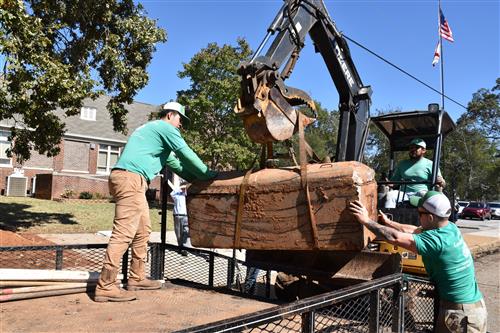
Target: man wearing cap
(416, 169)
(447, 259)
(149, 148)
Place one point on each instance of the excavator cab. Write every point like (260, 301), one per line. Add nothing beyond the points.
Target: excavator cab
(400, 128)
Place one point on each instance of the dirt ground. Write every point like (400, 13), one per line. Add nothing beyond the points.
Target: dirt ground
(9, 238)
(488, 277)
(172, 308)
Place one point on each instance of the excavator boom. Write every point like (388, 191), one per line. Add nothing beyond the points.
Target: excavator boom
(268, 107)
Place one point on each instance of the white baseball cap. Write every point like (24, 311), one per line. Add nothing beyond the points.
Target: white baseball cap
(434, 202)
(179, 108)
(418, 142)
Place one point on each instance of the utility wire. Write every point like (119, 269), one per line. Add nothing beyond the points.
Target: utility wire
(402, 70)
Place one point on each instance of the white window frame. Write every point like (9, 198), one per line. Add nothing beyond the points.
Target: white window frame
(88, 113)
(4, 139)
(110, 149)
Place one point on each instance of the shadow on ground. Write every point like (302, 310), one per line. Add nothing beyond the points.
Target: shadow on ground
(14, 217)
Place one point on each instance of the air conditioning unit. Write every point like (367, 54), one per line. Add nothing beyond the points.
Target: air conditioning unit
(17, 184)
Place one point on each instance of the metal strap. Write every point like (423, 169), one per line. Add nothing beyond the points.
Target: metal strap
(303, 178)
(239, 214)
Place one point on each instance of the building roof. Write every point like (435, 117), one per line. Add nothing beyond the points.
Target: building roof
(102, 128)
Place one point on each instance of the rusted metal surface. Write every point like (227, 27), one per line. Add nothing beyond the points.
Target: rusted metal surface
(271, 116)
(275, 213)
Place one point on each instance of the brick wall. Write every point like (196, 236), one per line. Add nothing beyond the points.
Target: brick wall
(30, 173)
(53, 186)
(94, 149)
(76, 156)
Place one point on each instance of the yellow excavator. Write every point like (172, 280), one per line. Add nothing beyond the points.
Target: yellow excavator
(270, 113)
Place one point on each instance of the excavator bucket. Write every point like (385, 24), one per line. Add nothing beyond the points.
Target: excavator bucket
(366, 266)
(272, 116)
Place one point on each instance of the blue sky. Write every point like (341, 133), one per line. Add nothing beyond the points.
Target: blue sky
(403, 32)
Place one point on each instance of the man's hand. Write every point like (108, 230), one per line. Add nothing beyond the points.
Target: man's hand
(440, 184)
(383, 219)
(359, 212)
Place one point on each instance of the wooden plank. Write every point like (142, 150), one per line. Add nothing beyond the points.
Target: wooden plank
(8, 274)
(275, 212)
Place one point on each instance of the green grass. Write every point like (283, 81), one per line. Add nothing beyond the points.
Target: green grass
(45, 216)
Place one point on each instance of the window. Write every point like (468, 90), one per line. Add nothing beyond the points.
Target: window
(108, 156)
(88, 113)
(4, 145)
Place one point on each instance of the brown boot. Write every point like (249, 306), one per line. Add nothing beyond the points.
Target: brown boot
(144, 284)
(137, 279)
(107, 290)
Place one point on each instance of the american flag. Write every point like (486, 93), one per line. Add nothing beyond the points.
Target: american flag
(437, 54)
(444, 28)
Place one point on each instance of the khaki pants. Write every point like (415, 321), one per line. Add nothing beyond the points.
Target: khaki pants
(131, 226)
(461, 318)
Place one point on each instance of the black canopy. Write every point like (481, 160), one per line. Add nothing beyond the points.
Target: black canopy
(402, 127)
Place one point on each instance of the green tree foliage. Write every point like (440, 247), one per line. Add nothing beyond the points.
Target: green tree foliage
(471, 153)
(377, 148)
(322, 134)
(216, 133)
(483, 112)
(56, 53)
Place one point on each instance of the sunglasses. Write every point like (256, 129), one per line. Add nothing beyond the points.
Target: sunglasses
(423, 213)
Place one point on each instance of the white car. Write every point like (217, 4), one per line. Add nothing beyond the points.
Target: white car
(495, 210)
(461, 206)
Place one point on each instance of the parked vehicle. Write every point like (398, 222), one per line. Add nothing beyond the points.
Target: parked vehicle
(478, 210)
(495, 209)
(461, 206)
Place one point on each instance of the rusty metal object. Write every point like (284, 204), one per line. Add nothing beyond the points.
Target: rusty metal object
(270, 116)
(275, 210)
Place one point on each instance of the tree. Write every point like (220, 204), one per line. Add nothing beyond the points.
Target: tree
(56, 53)
(216, 133)
(377, 147)
(322, 134)
(484, 111)
(471, 152)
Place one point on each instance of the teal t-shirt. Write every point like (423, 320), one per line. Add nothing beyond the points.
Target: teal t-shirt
(149, 147)
(417, 171)
(448, 262)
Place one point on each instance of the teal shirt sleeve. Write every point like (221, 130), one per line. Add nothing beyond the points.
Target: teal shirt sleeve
(193, 165)
(397, 174)
(427, 244)
(174, 165)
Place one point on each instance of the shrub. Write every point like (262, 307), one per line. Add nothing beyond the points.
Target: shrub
(85, 195)
(68, 193)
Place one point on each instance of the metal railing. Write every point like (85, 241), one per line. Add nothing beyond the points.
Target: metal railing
(199, 266)
(396, 303)
(388, 304)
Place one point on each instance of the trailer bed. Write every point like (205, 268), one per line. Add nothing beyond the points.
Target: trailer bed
(172, 308)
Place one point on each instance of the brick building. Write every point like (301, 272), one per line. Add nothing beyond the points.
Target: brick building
(89, 149)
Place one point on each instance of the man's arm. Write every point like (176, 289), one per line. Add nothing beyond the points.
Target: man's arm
(389, 234)
(408, 228)
(193, 165)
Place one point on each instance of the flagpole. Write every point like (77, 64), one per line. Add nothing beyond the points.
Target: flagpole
(442, 54)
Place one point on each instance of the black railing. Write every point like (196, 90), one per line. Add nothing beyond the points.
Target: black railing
(395, 303)
(383, 305)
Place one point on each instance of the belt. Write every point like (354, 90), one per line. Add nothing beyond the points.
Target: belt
(120, 169)
(461, 306)
(180, 214)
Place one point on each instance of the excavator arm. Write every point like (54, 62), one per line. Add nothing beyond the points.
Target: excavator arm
(267, 105)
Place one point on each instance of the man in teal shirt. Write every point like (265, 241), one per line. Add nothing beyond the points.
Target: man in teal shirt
(150, 147)
(415, 169)
(447, 259)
